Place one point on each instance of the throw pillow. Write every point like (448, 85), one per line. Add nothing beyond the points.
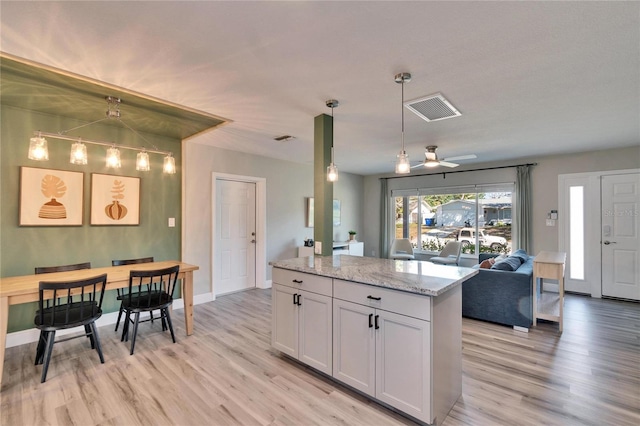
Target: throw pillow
(508, 264)
(487, 263)
(520, 253)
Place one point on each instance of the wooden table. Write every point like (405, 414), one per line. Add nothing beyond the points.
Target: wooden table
(24, 289)
(546, 305)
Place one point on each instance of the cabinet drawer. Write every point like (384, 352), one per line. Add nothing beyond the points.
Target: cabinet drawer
(403, 303)
(303, 281)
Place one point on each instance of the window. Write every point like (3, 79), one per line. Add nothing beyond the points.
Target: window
(480, 217)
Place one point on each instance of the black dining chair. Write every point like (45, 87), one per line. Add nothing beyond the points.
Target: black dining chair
(57, 311)
(63, 268)
(119, 291)
(149, 291)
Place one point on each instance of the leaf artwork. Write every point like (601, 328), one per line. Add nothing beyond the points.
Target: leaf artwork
(118, 189)
(53, 187)
(115, 210)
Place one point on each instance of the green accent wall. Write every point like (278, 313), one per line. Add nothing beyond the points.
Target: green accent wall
(22, 248)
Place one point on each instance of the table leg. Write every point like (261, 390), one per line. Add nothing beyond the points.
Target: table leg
(187, 297)
(561, 301)
(535, 300)
(4, 322)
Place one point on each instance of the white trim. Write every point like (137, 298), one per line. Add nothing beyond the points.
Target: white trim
(268, 284)
(31, 335)
(261, 224)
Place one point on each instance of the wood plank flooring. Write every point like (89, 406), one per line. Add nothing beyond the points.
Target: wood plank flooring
(227, 374)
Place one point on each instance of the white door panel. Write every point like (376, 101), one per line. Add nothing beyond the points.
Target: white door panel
(235, 236)
(620, 236)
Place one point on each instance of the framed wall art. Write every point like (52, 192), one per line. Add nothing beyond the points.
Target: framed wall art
(310, 212)
(50, 197)
(115, 200)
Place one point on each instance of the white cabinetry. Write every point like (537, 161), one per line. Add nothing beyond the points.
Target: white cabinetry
(302, 317)
(382, 353)
(352, 249)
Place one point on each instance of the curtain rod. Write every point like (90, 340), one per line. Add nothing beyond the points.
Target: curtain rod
(460, 171)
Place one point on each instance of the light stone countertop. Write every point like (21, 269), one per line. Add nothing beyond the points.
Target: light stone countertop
(413, 276)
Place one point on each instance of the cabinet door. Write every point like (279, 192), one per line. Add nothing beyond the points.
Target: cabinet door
(354, 345)
(284, 321)
(403, 364)
(314, 321)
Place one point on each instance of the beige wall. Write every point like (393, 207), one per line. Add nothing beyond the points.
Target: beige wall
(288, 184)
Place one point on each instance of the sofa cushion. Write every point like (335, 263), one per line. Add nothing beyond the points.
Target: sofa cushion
(510, 263)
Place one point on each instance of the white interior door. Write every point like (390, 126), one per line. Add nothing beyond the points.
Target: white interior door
(620, 239)
(235, 253)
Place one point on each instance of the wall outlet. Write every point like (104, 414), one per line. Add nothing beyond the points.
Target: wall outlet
(172, 222)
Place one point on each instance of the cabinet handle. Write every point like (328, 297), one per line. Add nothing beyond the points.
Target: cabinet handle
(299, 304)
(374, 298)
(370, 320)
(377, 326)
(297, 281)
(294, 299)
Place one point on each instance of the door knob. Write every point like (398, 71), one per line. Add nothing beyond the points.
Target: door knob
(606, 243)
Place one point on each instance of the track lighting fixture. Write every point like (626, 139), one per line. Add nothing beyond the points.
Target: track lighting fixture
(38, 145)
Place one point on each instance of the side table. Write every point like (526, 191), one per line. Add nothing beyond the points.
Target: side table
(547, 305)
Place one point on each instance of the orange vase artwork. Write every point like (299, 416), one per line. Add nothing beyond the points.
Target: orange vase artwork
(116, 210)
(53, 187)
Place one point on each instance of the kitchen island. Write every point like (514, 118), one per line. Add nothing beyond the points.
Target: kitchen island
(390, 329)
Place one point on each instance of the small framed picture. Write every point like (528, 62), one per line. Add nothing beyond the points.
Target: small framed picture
(115, 200)
(50, 197)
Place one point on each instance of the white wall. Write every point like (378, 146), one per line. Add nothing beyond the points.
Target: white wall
(288, 184)
(544, 178)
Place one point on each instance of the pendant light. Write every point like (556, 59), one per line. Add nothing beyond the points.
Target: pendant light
(142, 161)
(403, 166)
(38, 148)
(332, 170)
(78, 153)
(113, 158)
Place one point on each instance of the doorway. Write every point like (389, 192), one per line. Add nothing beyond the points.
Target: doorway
(238, 228)
(599, 225)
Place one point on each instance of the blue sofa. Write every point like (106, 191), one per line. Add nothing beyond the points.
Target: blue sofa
(503, 297)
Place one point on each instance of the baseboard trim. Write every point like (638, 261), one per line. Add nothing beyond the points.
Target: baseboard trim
(31, 335)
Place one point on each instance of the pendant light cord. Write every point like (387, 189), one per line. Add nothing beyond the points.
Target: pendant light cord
(402, 113)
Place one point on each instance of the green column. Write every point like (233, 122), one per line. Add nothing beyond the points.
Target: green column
(322, 190)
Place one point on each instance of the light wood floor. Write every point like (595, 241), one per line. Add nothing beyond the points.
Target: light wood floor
(227, 374)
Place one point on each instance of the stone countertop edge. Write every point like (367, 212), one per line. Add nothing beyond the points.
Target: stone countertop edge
(350, 268)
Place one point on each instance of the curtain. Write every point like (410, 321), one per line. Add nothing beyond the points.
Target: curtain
(384, 218)
(523, 226)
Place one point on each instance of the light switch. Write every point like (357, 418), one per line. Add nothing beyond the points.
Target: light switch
(317, 248)
(172, 222)
(551, 222)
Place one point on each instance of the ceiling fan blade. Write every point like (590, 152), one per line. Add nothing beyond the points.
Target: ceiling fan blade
(461, 157)
(447, 164)
(421, 164)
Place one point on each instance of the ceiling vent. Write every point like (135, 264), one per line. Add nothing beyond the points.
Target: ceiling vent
(432, 108)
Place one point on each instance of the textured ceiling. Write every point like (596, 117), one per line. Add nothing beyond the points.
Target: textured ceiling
(530, 78)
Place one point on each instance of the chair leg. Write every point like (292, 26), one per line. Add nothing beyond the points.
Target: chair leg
(41, 346)
(168, 315)
(135, 332)
(125, 327)
(96, 339)
(119, 316)
(51, 335)
(89, 334)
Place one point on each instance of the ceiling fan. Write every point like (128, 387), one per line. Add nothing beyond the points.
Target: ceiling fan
(431, 159)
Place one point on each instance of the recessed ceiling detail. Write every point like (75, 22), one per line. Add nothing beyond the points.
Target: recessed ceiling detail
(432, 108)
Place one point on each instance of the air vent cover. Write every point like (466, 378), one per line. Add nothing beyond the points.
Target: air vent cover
(432, 108)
